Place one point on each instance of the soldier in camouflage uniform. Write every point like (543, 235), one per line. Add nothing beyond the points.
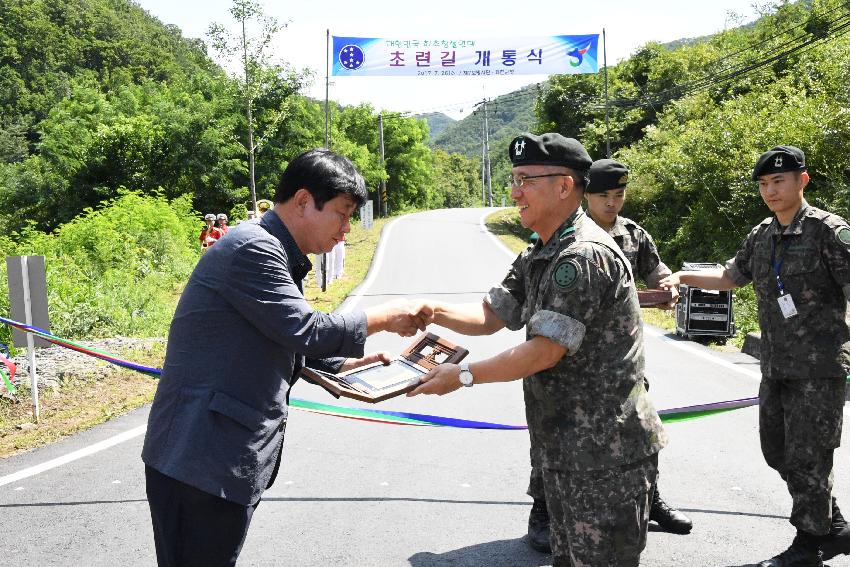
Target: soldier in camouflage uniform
(605, 197)
(588, 413)
(799, 263)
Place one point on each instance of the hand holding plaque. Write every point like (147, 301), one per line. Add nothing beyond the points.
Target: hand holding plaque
(378, 381)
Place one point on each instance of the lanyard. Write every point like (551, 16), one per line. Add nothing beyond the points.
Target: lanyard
(777, 266)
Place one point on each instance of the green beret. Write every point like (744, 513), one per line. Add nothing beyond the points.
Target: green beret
(779, 160)
(549, 149)
(607, 174)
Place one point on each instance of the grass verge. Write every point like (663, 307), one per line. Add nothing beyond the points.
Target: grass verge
(81, 401)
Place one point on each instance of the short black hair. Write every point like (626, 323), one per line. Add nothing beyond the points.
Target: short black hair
(325, 174)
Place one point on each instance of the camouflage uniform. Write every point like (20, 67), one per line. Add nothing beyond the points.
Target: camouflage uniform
(596, 432)
(805, 359)
(639, 249)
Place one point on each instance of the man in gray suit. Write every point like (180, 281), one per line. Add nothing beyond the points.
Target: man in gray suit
(239, 337)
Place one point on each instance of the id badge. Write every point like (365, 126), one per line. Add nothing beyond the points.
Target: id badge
(786, 305)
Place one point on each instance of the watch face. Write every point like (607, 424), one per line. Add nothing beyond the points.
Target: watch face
(466, 377)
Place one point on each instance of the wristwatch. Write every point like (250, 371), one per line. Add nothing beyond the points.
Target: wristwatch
(465, 375)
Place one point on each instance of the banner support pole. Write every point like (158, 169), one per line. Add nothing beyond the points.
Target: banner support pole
(607, 124)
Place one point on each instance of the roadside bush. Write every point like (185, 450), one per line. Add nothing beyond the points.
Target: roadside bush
(112, 271)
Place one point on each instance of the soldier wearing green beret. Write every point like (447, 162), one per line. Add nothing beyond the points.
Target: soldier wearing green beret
(798, 260)
(574, 294)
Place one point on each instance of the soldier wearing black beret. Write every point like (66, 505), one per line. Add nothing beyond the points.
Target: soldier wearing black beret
(605, 197)
(573, 293)
(798, 260)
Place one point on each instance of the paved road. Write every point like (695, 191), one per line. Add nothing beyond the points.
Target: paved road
(366, 494)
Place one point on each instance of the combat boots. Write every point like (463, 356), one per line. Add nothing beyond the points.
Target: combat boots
(538, 527)
(837, 541)
(804, 552)
(669, 519)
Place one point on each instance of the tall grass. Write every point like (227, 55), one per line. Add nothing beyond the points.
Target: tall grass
(112, 271)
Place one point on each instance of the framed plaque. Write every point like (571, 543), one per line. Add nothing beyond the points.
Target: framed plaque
(654, 297)
(378, 381)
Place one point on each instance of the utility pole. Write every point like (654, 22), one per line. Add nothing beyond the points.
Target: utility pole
(248, 95)
(483, 167)
(382, 198)
(487, 155)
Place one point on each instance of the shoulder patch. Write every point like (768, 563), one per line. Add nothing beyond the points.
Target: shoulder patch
(843, 235)
(566, 274)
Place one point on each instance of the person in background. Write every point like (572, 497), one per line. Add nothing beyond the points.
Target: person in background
(222, 223)
(798, 260)
(210, 234)
(263, 205)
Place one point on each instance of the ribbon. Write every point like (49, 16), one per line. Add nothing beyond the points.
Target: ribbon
(7, 375)
(80, 348)
(672, 415)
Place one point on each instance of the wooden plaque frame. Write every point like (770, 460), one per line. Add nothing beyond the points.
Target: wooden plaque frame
(377, 382)
(654, 297)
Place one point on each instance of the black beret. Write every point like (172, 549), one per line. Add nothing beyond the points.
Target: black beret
(778, 160)
(549, 149)
(607, 174)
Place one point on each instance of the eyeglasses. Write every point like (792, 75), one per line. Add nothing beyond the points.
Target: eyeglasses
(520, 181)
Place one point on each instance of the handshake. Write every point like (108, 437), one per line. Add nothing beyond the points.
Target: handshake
(403, 317)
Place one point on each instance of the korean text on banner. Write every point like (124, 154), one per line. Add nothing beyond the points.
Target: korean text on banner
(455, 57)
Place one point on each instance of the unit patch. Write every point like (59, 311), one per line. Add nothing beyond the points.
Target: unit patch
(844, 235)
(566, 274)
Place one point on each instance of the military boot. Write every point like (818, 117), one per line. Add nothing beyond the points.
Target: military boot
(803, 552)
(837, 541)
(538, 527)
(670, 519)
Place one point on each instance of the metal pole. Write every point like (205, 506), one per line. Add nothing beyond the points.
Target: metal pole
(607, 125)
(327, 87)
(251, 179)
(383, 199)
(25, 274)
(487, 154)
(483, 167)
(323, 261)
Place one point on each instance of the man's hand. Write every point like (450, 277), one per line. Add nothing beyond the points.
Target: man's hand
(671, 282)
(352, 363)
(673, 300)
(402, 317)
(441, 380)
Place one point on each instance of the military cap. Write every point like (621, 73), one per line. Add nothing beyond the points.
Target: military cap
(549, 149)
(209, 216)
(779, 160)
(607, 174)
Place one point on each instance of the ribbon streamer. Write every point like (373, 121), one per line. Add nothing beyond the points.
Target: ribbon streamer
(7, 375)
(672, 415)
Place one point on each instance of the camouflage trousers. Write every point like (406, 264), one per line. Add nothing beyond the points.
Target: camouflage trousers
(799, 427)
(600, 518)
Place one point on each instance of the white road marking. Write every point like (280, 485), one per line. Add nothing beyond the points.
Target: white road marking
(499, 244)
(73, 456)
(354, 299)
(691, 349)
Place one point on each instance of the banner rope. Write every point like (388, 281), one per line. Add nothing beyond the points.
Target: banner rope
(672, 415)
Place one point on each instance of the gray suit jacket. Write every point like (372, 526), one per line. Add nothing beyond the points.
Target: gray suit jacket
(237, 341)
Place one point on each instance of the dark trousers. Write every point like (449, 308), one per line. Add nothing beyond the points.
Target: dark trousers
(192, 527)
(800, 426)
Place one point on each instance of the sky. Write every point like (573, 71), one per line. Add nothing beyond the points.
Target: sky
(302, 44)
